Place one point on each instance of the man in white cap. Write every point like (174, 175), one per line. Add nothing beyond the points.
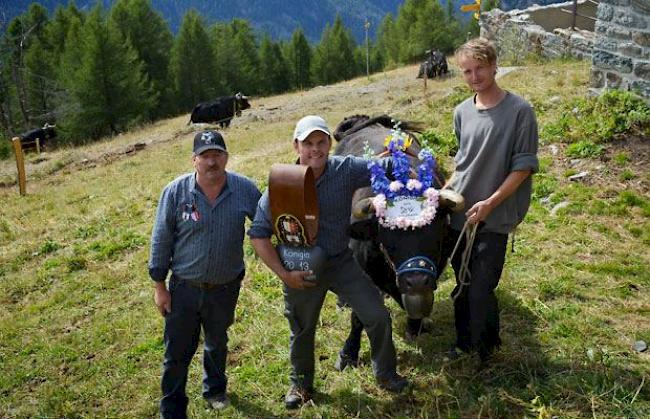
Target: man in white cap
(198, 236)
(337, 178)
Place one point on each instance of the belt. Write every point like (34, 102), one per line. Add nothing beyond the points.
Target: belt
(211, 285)
(204, 285)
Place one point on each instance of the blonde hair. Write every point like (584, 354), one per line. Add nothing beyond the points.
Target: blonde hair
(479, 49)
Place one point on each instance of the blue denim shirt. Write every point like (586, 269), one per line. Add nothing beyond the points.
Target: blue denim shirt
(197, 241)
(335, 187)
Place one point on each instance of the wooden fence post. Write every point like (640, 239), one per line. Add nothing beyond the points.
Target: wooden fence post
(20, 164)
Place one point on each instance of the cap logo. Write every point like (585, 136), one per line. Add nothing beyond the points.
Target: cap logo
(207, 137)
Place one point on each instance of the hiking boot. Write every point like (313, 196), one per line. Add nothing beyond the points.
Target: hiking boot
(219, 402)
(296, 397)
(344, 360)
(395, 383)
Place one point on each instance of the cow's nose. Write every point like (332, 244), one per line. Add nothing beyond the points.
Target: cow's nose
(414, 282)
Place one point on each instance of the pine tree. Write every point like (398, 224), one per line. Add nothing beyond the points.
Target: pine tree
(7, 98)
(388, 42)
(221, 35)
(149, 34)
(421, 24)
(109, 89)
(57, 30)
(192, 63)
(40, 79)
(334, 56)
(299, 56)
(274, 70)
(22, 32)
(245, 56)
(236, 57)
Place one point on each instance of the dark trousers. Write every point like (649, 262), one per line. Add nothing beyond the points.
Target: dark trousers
(476, 309)
(345, 278)
(192, 309)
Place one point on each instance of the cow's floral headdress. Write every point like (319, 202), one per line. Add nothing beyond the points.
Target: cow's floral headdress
(405, 202)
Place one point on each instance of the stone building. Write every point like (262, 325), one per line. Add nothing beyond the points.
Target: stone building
(542, 30)
(621, 52)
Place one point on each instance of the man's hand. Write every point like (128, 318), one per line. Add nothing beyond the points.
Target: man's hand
(162, 298)
(296, 280)
(479, 212)
(482, 209)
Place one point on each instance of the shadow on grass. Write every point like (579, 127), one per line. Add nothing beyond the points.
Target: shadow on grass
(521, 379)
(250, 409)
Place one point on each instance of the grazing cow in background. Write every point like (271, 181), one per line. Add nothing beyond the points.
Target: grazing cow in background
(403, 263)
(44, 136)
(220, 111)
(434, 65)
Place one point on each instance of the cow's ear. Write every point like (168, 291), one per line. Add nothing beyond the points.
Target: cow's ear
(364, 230)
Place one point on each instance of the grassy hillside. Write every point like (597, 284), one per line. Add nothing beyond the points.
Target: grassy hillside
(80, 336)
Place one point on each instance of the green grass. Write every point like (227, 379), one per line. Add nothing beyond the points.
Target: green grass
(80, 336)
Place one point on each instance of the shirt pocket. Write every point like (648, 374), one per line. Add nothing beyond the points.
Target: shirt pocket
(189, 217)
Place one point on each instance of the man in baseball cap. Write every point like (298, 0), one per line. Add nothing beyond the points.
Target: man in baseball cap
(309, 124)
(208, 140)
(337, 178)
(198, 236)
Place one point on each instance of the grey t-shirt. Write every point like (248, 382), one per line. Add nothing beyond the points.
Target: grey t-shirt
(492, 143)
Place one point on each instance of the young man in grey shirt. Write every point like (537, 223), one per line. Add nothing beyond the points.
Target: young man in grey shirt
(198, 236)
(497, 137)
(337, 178)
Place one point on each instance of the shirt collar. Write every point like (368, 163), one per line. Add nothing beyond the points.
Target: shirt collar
(195, 189)
(325, 172)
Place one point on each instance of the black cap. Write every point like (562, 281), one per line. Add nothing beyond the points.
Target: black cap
(208, 140)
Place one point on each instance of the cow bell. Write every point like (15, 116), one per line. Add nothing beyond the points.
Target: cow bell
(419, 305)
(303, 258)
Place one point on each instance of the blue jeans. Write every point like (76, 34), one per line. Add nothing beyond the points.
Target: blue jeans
(193, 308)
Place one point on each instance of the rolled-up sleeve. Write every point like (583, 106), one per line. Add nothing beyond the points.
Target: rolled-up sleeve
(524, 154)
(253, 201)
(162, 237)
(261, 226)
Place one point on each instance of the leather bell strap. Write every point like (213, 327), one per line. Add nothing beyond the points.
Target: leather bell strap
(294, 204)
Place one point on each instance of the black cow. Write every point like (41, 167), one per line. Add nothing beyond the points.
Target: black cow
(434, 65)
(404, 264)
(220, 111)
(44, 136)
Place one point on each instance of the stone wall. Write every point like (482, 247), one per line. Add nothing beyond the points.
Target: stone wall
(621, 54)
(540, 30)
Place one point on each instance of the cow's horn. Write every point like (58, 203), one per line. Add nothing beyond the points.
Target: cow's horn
(452, 200)
(362, 208)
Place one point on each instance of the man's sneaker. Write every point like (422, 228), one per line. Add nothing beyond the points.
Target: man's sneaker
(219, 402)
(395, 384)
(344, 360)
(296, 397)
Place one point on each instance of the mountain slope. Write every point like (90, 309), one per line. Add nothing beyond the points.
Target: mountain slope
(276, 17)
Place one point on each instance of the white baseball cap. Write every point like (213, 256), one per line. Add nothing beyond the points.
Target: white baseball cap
(309, 124)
